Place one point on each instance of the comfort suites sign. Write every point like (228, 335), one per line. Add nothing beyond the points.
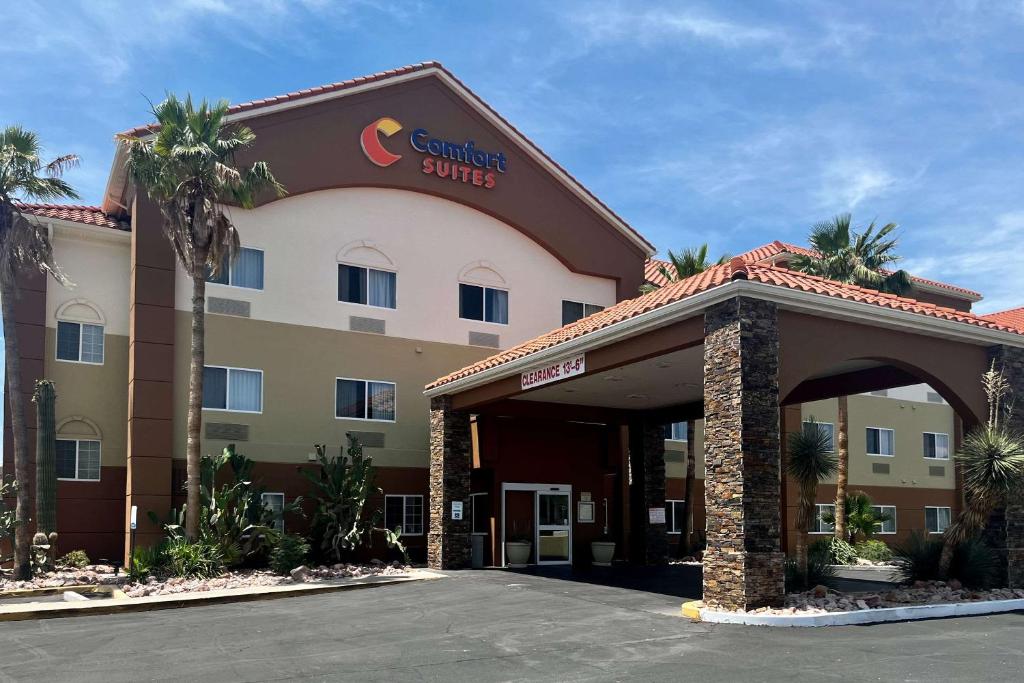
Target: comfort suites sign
(459, 162)
(554, 372)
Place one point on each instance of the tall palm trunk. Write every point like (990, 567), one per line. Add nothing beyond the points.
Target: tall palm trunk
(195, 396)
(691, 472)
(805, 510)
(843, 446)
(19, 432)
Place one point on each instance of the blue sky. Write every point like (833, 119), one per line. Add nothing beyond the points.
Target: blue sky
(730, 123)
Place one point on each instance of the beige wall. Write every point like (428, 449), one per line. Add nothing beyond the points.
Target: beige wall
(98, 393)
(675, 455)
(299, 367)
(431, 243)
(98, 263)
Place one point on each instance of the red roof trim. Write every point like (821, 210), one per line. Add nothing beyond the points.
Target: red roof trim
(75, 213)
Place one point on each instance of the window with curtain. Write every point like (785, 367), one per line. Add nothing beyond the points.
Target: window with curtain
(826, 428)
(245, 271)
(275, 503)
(575, 310)
(674, 516)
(881, 441)
(483, 303)
(367, 286)
(818, 525)
(79, 342)
(359, 399)
(235, 389)
(936, 519)
(936, 446)
(78, 459)
(405, 512)
(887, 527)
(676, 431)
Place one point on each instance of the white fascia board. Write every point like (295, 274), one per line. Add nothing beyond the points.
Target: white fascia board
(820, 305)
(529, 148)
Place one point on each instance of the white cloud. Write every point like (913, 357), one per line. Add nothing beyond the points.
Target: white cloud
(845, 183)
(601, 23)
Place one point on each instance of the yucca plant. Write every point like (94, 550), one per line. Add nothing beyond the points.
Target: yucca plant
(809, 460)
(991, 461)
(186, 165)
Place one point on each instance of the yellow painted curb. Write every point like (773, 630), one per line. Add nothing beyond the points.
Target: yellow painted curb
(122, 604)
(691, 610)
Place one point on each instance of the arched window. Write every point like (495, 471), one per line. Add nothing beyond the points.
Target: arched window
(80, 326)
(78, 449)
(483, 293)
(366, 276)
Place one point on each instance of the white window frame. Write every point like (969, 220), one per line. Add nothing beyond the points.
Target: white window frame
(366, 399)
(817, 512)
(881, 455)
(231, 267)
(671, 515)
(56, 344)
(227, 391)
(404, 497)
(830, 424)
(937, 507)
(368, 269)
(483, 320)
(77, 447)
(891, 511)
(263, 499)
(671, 431)
(945, 434)
(472, 512)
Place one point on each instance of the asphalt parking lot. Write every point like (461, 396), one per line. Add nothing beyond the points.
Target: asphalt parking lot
(495, 626)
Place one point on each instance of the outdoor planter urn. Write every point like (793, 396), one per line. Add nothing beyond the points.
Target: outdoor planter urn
(517, 553)
(603, 552)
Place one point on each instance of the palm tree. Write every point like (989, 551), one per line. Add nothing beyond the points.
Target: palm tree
(810, 459)
(186, 164)
(861, 519)
(687, 263)
(24, 246)
(857, 258)
(991, 461)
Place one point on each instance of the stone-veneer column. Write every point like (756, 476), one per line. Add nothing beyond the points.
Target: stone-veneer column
(448, 541)
(1010, 361)
(744, 563)
(649, 468)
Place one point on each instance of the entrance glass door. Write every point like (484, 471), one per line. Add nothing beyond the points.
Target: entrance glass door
(554, 527)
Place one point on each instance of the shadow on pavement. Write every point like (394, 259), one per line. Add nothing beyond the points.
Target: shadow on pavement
(677, 581)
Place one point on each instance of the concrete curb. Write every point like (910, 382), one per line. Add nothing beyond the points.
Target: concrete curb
(868, 616)
(157, 602)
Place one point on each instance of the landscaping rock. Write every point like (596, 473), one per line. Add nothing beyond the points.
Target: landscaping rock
(954, 585)
(299, 573)
(820, 591)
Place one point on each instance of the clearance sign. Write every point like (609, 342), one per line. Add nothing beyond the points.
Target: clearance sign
(452, 161)
(563, 369)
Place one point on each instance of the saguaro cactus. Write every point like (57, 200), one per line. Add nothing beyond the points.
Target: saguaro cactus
(45, 397)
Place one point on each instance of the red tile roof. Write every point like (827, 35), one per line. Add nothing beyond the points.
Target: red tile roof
(1013, 317)
(384, 75)
(766, 273)
(90, 215)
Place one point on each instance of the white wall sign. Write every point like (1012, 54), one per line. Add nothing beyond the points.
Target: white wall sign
(456, 510)
(135, 517)
(656, 515)
(585, 512)
(553, 372)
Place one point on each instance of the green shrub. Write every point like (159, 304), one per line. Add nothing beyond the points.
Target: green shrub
(875, 551)
(819, 571)
(76, 559)
(193, 559)
(833, 550)
(146, 561)
(918, 557)
(290, 552)
(976, 565)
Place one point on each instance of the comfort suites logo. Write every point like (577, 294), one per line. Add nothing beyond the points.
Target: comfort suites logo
(455, 162)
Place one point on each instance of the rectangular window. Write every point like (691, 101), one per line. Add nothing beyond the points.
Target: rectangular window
(881, 441)
(80, 343)
(818, 525)
(674, 516)
(575, 310)
(676, 431)
(360, 399)
(275, 503)
(936, 519)
(480, 509)
(235, 389)
(405, 512)
(245, 271)
(78, 459)
(826, 428)
(936, 446)
(367, 286)
(483, 303)
(889, 526)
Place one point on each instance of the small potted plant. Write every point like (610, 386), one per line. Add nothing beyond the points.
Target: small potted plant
(518, 545)
(603, 550)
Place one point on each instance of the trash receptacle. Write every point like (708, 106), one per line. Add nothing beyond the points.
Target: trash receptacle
(477, 551)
